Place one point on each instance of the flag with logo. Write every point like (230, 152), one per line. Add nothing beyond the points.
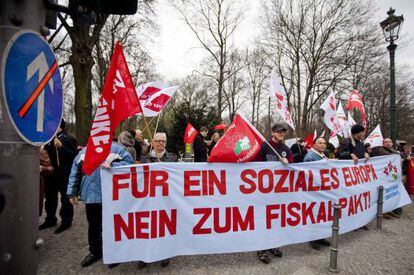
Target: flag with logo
(355, 101)
(375, 138)
(330, 119)
(240, 143)
(154, 96)
(278, 93)
(190, 134)
(118, 102)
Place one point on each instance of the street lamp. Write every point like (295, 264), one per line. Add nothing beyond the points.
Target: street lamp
(391, 28)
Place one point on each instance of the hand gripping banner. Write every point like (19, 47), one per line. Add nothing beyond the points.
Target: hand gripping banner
(161, 210)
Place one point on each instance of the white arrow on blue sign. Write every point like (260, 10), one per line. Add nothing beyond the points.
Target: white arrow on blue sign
(32, 87)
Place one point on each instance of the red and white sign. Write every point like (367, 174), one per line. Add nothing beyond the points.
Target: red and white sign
(154, 96)
(330, 119)
(278, 93)
(343, 121)
(190, 134)
(161, 210)
(118, 102)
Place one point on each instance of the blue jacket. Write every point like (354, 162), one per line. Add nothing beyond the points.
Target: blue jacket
(312, 156)
(90, 186)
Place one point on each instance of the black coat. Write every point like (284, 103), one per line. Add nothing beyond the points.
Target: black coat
(200, 149)
(351, 146)
(67, 154)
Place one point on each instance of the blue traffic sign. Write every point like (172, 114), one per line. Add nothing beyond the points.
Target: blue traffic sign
(32, 87)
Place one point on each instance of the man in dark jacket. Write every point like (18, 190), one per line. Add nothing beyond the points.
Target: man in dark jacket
(353, 147)
(283, 155)
(62, 151)
(200, 146)
(384, 150)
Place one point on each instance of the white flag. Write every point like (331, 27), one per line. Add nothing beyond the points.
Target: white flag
(375, 138)
(330, 119)
(154, 96)
(351, 122)
(333, 139)
(343, 122)
(278, 93)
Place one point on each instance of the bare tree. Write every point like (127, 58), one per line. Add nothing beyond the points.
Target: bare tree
(315, 44)
(214, 23)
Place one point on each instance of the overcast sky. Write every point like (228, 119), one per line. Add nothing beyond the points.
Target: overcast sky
(177, 52)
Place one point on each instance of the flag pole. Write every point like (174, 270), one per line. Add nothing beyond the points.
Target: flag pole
(145, 127)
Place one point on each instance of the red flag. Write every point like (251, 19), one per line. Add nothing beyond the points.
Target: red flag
(118, 102)
(190, 134)
(309, 140)
(355, 101)
(240, 143)
(410, 177)
(221, 126)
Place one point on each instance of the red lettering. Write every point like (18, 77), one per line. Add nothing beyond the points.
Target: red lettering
(265, 173)
(120, 225)
(308, 212)
(324, 179)
(188, 183)
(140, 224)
(239, 223)
(334, 176)
(205, 212)
(293, 209)
(159, 178)
(251, 184)
(270, 215)
(117, 185)
(283, 176)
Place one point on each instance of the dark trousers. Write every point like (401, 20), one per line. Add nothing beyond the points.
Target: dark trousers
(94, 217)
(54, 186)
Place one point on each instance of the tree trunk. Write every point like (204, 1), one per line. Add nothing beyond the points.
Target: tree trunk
(82, 62)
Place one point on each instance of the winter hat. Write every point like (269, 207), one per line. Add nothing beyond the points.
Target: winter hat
(357, 129)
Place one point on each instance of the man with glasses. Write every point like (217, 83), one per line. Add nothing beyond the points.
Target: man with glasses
(158, 154)
(283, 155)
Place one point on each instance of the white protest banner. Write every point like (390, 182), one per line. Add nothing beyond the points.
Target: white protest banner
(161, 210)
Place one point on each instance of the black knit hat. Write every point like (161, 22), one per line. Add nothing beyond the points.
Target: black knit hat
(357, 129)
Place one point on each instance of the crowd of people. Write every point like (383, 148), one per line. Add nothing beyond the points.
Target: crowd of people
(61, 173)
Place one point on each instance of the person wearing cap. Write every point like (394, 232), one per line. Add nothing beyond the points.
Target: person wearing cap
(353, 147)
(278, 152)
(62, 150)
(284, 154)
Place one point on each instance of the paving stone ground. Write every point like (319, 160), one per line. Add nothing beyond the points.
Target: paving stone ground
(386, 251)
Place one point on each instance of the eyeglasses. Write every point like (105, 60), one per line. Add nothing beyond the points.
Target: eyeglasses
(160, 141)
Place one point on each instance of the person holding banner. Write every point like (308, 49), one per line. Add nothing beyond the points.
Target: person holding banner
(159, 154)
(278, 152)
(315, 154)
(353, 147)
(384, 150)
(89, 188)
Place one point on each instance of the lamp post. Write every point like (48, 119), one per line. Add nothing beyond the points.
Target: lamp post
(391, 28)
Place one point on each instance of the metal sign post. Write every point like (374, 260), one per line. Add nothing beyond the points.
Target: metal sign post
(28, 84)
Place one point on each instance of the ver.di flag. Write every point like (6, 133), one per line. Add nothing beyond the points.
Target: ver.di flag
(154, 96)
(190, 134)
(279, 95)
(330, 119)
(118, 102)
(240, 143)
